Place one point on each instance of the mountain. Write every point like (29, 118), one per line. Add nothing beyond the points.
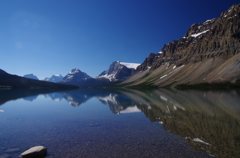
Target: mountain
(8, 81)
(207, 55)
(76, 76)
(54, 78)
(31, 76)
(81, 79)
(119, 71)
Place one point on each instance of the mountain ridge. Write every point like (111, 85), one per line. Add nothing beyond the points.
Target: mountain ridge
(207, 54)
(9, 81)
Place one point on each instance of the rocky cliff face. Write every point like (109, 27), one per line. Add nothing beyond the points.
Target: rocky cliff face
(212, 38)
(214, 41)
(119, 71)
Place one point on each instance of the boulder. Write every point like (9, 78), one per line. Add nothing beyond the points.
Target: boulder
(35, 152)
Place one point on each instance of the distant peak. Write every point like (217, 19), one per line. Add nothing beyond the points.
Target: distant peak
(75, 70)
(116, 62)
(31, 76)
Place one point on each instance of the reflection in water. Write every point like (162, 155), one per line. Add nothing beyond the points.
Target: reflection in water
(29, 95)
(209, 121)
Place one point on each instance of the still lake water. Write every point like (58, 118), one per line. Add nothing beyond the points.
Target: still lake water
(121, 124)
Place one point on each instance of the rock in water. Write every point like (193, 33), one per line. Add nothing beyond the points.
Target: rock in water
(35, 152)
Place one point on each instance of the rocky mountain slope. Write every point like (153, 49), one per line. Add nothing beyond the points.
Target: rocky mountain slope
(207, 54)
(119, 71)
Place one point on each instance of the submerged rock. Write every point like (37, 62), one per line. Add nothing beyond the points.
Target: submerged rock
(35, 152)
(12, 150)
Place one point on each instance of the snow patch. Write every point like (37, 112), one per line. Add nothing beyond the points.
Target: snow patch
(163, 76)
(174, 107)
(130, 65)
(149, 107)
(163, 98)
(198, 140)
(230, 9)
(207, 21)
(160, 122)
(198, 34)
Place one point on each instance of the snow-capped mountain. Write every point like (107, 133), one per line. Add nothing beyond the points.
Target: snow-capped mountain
(76, 76)
(55, 78)
(119, 71)
(9, 81)
(81, 79)
(31, 76)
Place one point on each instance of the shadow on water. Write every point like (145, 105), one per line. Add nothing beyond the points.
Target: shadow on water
(209, 121)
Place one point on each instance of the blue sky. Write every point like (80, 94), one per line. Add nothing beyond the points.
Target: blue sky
(48, 37)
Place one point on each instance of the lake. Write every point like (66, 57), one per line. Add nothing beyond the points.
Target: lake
(120, 124)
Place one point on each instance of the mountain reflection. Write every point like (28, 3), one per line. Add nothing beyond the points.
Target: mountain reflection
(208, 120)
